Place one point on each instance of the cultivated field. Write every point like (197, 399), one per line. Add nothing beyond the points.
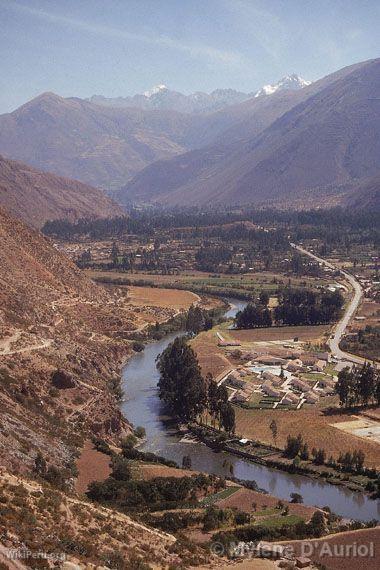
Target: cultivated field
(210, 356)
(92, 466)
(166, 298)
(342, 540)
(251, 501)
(316, 428)
(279, 333)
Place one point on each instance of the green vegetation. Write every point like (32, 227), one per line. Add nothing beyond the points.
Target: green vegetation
(187, 394)
(359, 386)
(211, 499)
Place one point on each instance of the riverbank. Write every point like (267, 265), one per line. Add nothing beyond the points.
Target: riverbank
(272, 457)
(142, 406)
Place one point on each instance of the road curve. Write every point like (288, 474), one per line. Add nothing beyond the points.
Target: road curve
(340, 328)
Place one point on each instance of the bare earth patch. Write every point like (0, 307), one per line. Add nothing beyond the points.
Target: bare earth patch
(171, 298)
(365, 428)
(92, 466)
(148, 472)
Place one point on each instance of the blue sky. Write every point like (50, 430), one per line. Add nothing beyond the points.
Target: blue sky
(122, 47)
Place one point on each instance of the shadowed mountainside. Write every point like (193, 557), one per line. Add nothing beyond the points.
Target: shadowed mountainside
(327, 142)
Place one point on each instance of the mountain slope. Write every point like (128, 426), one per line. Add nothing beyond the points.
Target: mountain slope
(97, 145)
(38, 196)
(327, 140)
(52, 318)
(366, 195)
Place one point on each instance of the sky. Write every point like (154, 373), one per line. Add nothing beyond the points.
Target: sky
(122, 47)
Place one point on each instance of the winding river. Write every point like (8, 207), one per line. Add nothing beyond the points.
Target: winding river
(142, 407)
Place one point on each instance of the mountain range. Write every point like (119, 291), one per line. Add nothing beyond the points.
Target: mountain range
(312, 148)
(161, 97)
(289, 144)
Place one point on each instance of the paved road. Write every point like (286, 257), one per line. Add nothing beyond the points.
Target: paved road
(340, 328)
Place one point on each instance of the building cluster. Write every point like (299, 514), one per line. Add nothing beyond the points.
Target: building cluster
(291, 380)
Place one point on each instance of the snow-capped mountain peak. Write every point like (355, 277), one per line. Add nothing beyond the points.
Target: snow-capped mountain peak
(290, 82)
(156, 89)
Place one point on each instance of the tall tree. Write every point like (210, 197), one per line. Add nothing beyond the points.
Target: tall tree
(181, 384)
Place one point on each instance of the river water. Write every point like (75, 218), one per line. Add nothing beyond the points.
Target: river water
(143, 407)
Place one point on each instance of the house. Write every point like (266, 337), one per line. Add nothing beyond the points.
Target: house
(270, 390)
(326, 382)
(294, 365)
(320, 365)
(270, 550)
(328, 391)
(234, 380)
(275, 380)
(239, 397)
(290, 398)
(300, 385)
(322, 356)
(311, 397)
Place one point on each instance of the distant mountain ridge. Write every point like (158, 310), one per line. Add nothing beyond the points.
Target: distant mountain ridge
(161, 97)
(313, 150)
(100, 146)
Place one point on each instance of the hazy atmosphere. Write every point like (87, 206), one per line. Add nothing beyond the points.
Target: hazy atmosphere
(190, 285)
(122, 47)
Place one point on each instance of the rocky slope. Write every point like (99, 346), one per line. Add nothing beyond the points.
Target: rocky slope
(326, 140)
(53, 319)
(36, 196)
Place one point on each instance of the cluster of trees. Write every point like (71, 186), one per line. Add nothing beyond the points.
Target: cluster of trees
(297, 449)
(305, 307)
(57, 477)
(122, 491)
(209, 257)
(97, 229)
(295, 307)
(188, 395)
(335, 228)
(316, 527)
(198, 320)
(367, 343)
(359, 386)
(255, 315)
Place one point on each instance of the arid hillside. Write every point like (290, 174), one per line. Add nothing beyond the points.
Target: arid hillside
(36, 196)
(100, 146)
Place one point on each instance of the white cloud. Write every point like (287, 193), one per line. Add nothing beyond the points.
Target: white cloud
(210, 53)
(267, 29)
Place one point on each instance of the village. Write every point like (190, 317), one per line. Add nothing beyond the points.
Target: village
(278, 376)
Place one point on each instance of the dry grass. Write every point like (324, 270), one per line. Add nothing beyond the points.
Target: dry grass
(148, 472)
(314, 426)
(167, 298)
(360, 537)
(280, 333)
(243, 499)
(210, 356)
